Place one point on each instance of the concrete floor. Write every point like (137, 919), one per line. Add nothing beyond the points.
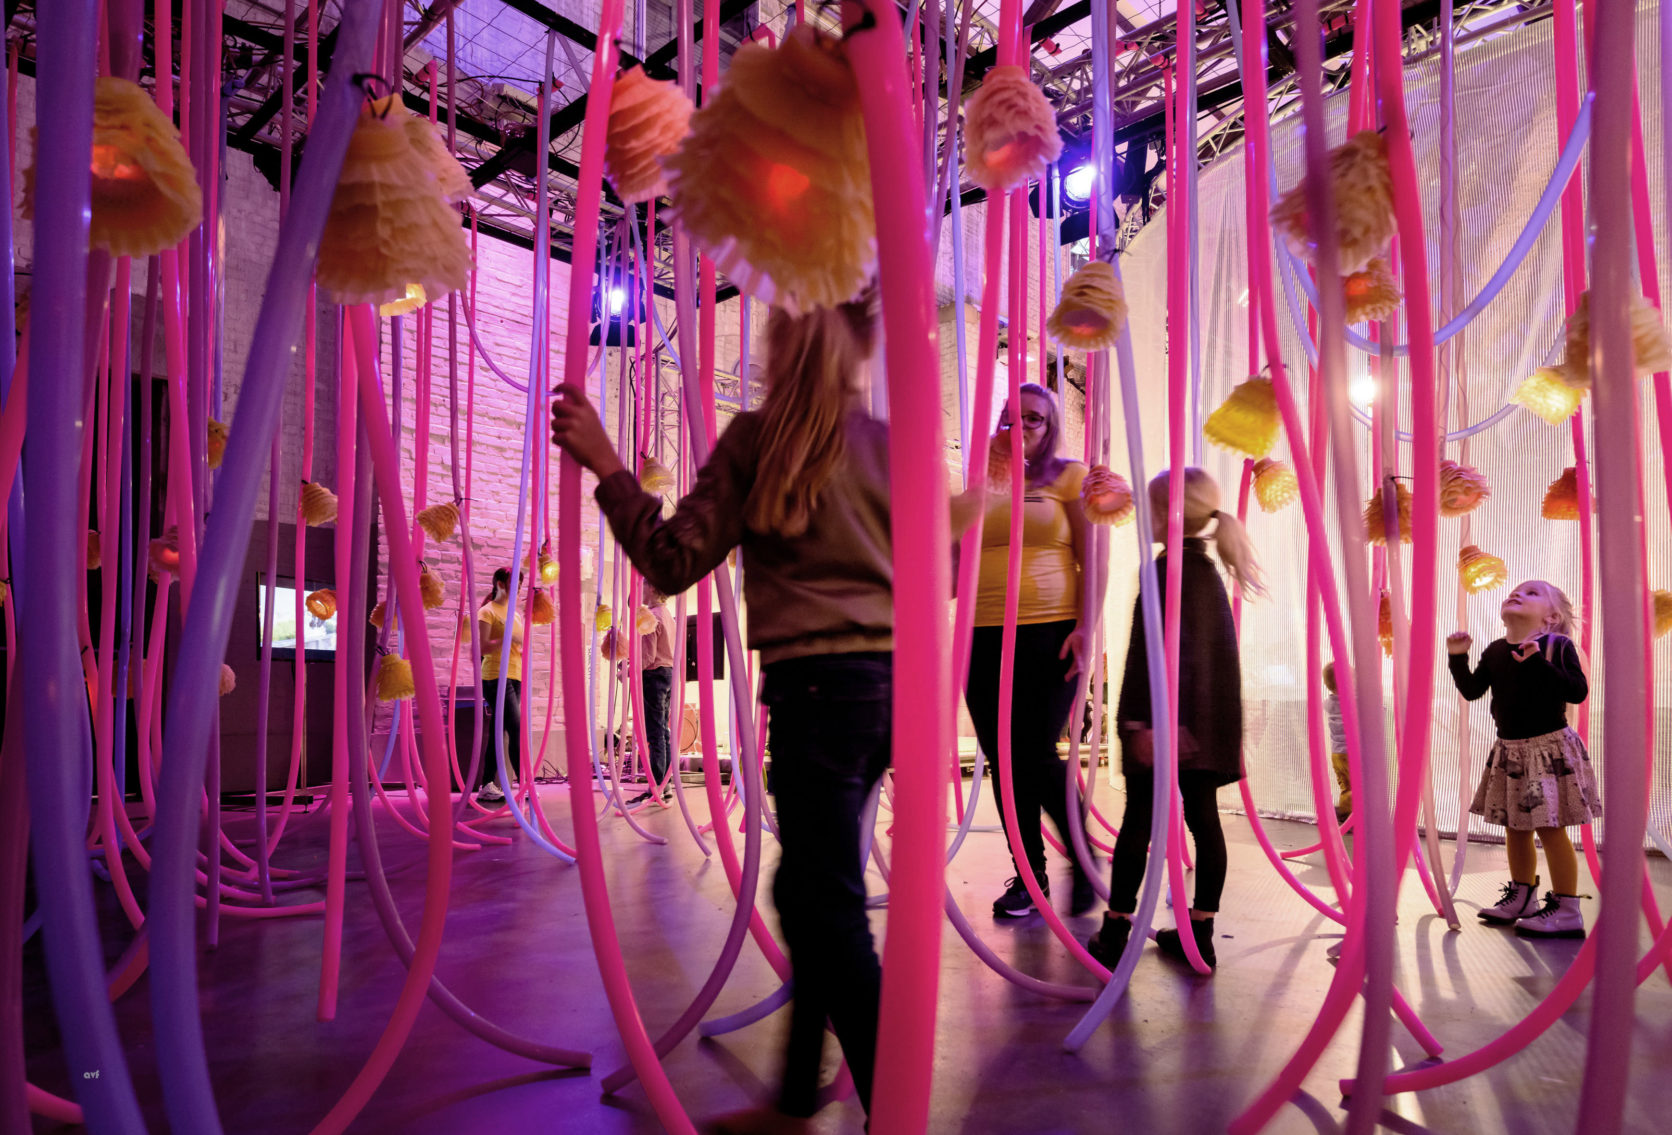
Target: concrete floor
(1179, 1054)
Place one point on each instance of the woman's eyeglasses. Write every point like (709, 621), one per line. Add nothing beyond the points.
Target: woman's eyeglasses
(1029, 422)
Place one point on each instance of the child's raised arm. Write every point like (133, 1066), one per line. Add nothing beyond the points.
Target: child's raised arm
(1472, 684)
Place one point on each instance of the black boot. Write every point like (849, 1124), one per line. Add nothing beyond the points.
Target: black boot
(1168, 941)
(1109, 943)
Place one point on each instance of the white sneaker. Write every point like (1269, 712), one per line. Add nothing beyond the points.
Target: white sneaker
(1560, 917)
(490, 792)
(1516, 901)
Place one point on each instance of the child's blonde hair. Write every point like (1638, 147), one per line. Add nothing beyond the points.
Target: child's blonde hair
(812, 364)
(1329, 677)
(1201, 507)
(1562, 619)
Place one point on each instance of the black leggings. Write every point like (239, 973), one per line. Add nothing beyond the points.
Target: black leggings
(1044, 695)
(1200, 793)
(512, 726)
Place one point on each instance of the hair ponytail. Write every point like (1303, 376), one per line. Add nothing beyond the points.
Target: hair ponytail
(1201, 507)
(1236, 552)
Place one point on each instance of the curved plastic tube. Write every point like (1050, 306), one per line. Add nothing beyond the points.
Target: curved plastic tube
(54, 701)
(759, 1011)
(921, 543)
(594, 888)
(1624, 601)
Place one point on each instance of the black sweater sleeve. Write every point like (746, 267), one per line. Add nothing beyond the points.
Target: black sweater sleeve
(1472, 684)
(1561, 657)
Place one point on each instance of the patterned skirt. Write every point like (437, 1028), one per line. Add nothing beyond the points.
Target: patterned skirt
(1538, 782)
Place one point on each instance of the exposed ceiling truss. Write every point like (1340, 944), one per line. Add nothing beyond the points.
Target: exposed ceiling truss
(500, 46)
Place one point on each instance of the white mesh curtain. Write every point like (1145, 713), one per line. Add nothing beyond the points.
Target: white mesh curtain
(1508, 146)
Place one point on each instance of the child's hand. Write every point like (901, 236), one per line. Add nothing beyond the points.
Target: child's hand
(1458, 643)
(1525, 650)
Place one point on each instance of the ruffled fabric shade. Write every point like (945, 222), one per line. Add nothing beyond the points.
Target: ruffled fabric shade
(1247, 421)
(648, 120)
(145, 196)
(1364, 223)
(1548, 395)
(1092, 310)
(1371, 294)
(1375, 525)
(1010, 131)
(431, 590)
(1561, 499)
(998, 461)
(378, 615)
(229, 679)
(432, 151)
(1478, 570)
(390, 226)
(95, 551)
(163, 554)
(1275, 484)
(774, 181)
(1663, 612)
(405, 305)
(321, 604)
(603, 618)
(654, 477)
(546, 566)
(1544, 392)
(319, 504)
(543, 612)
(394, 679)
(439, 521)
(215, 445)
(644, 621)
(1462, 488)
(1106, 496)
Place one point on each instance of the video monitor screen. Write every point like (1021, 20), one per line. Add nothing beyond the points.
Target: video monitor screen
(319, 636)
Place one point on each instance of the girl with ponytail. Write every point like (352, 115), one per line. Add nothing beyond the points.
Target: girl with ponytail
(1210, 716)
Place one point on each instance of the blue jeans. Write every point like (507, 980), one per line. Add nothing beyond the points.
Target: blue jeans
(830, 730)
(658, 692)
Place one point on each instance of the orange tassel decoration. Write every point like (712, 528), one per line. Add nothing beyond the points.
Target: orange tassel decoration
(774, 181)
(390, 225)
(215, 449)
(1462, 488)
(645, 621)
(1663, 612)
(1548, 395)
(439, 521)
(321, 604)
(1010, 131)
(95, 551)
(377, 616)
(430, 589)
(1363, 204)
(648, 120)
(319, 504)
(229, 679)
(543, 612)
(394, 679)
(145, 194)
(1247, 421)
(1384, 623)
(1375, 524)
(163, 554)
(1092, 310)
(1480, 570)
(654, 477)
(1561, 499)
(1372, 294)
(1106, 496)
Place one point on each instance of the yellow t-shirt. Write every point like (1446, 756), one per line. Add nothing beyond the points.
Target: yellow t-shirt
(493, 614)
(1050, 587)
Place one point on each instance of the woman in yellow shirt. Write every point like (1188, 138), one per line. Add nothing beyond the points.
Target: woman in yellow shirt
(491, 617)
(1050, 643)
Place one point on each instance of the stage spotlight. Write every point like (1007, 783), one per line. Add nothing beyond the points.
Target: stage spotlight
(618, 300)
(1077, 184)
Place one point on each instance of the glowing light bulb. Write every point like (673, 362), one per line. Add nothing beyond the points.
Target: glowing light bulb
(1078, 183)
(1362, 390)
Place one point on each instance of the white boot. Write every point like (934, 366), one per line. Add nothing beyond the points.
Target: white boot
(1515, 901)
(1559, 918)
